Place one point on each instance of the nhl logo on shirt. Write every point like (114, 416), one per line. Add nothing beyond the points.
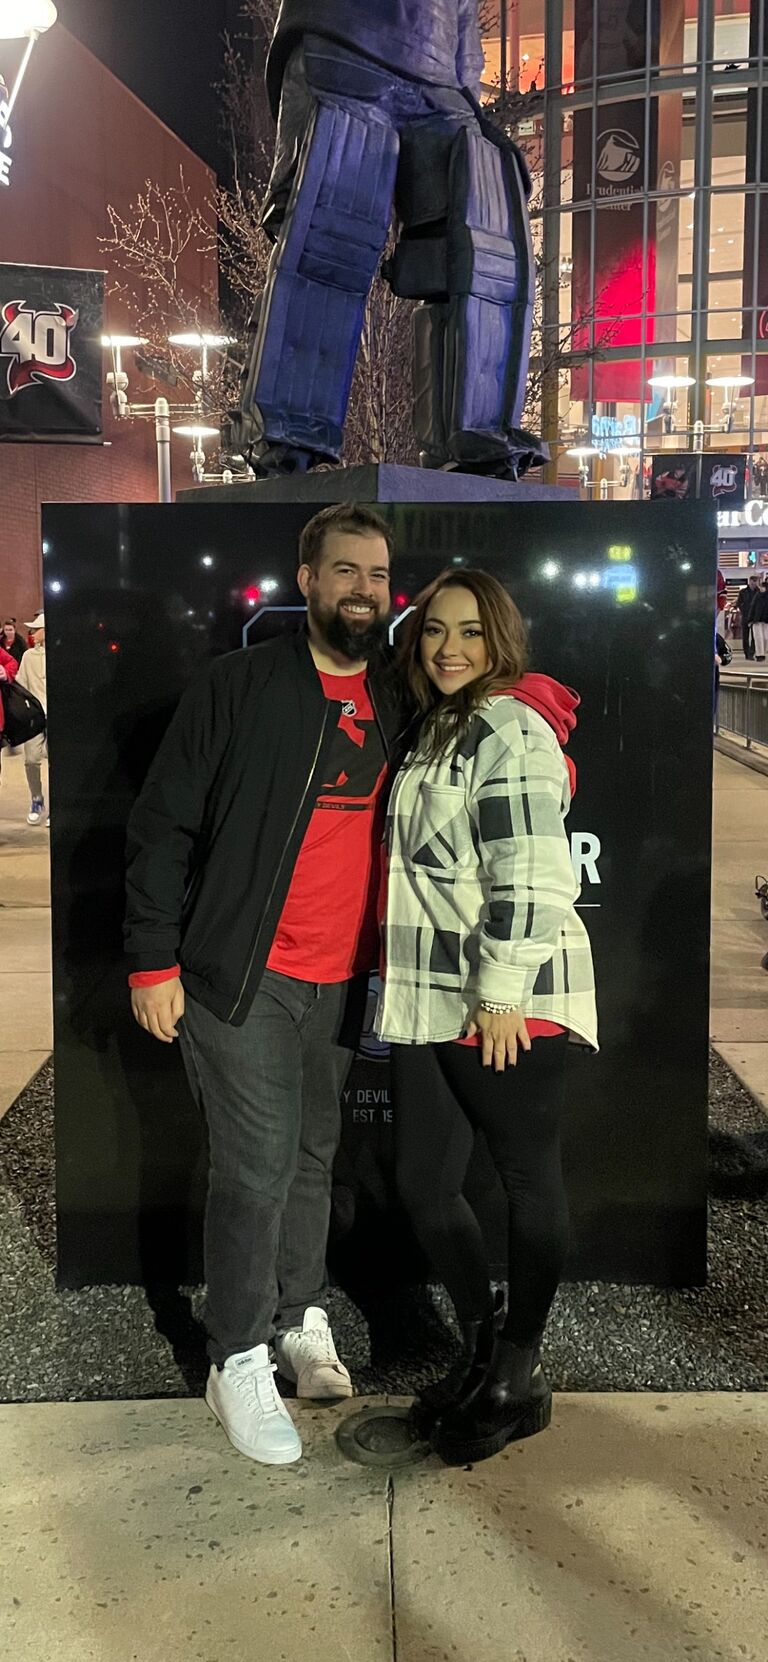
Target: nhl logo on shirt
(349, 708)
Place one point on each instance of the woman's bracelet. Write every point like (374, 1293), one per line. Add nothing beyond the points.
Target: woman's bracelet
(497, 1009)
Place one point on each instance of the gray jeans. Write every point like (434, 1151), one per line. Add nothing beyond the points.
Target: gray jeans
(270, 1093)
(35, 752)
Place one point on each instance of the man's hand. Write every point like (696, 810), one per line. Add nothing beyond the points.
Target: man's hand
(501, 1036)
(158, 1009)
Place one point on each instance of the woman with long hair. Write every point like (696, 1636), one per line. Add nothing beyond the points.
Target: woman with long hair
(488, 974)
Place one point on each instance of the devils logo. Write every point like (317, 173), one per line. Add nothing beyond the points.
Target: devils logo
(38, 344)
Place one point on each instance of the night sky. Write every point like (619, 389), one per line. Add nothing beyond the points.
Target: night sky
(169, 52)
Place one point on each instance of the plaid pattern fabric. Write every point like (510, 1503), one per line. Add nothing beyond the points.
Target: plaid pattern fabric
(481, 889)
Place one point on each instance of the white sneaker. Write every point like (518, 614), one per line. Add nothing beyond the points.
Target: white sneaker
(245, 1400)
(36, 811)
(307, 1355)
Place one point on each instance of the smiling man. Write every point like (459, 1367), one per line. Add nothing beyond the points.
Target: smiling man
(251, 924)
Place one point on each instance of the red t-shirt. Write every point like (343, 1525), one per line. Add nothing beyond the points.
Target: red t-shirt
(328, 929)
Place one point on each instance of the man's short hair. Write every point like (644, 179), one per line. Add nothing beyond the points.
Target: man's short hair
(349, 519)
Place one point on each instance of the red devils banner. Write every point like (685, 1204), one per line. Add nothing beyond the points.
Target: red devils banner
(629, 286)
(51, 321)
(714, 476)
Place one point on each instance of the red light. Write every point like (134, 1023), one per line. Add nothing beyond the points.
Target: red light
(401, 600)
(113, 646)
(252, 594)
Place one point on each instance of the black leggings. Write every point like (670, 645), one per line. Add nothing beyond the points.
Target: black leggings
(442, 1095)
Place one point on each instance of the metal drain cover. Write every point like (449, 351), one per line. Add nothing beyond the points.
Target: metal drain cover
(381, 1437)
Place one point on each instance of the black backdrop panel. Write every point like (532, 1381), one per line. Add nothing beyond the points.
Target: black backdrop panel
(620, 603)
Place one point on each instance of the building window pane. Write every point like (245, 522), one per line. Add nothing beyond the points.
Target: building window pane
(523, 56)
(731, 32)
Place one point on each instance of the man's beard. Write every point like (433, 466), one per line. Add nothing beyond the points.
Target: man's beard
(356, 643)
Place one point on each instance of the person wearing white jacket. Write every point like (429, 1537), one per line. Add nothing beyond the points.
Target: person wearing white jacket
(32, 676)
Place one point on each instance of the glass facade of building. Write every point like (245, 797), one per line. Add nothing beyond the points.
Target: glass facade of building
(645, 124)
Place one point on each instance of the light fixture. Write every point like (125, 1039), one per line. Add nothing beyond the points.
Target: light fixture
(20, 18)
(117, 380)
(196, 431)
(671, 380)
(631, 447)
(581, 454)
(730, 380)
(669, 384)
(732, 385)
(123, 340)
(194, 337)
(202, 341)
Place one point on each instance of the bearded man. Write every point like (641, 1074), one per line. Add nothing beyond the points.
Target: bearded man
(251, 927)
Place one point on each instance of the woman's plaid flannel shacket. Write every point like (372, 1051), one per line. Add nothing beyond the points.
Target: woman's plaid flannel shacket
(481, 894)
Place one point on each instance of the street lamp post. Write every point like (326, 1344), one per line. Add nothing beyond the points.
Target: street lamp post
(203, 342)
(669, 384)
(24, 20)
(197, 432)
(732, 385)
(581, 453)
(19, 20)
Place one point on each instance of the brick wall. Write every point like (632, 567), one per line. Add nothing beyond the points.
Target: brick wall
(32, 474)
(81, 140)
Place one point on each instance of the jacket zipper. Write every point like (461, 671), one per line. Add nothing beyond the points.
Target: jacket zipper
(280, 864)
(379, 723)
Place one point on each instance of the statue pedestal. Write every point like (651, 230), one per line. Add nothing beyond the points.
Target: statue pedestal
(379, 482)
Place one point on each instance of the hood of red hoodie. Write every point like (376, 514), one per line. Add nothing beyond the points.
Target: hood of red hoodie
(556, 703)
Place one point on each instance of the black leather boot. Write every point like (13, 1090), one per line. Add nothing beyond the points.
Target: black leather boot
(513, 1400)
(467, 1372)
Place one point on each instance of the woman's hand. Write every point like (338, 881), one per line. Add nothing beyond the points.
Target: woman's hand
(3, 673)
(501, 1035)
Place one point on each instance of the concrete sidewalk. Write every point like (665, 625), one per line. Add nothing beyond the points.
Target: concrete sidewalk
(633, 1529)
(739, 986)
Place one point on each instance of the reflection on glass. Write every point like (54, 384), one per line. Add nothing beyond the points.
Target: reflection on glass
(621, 581)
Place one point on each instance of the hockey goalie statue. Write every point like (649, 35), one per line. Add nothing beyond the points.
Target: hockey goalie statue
(376, 103)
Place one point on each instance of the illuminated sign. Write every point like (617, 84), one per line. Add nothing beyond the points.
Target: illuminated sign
(754, 512)
(6, 138)
(614, 432)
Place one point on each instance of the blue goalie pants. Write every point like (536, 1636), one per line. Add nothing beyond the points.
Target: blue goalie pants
(355, 144)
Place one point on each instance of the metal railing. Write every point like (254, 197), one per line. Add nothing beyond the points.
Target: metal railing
(742, 709)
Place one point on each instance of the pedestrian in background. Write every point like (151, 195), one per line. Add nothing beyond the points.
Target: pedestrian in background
(32, 676)
(744, 603)
(8, 672)
(11, 641)
(758, 618)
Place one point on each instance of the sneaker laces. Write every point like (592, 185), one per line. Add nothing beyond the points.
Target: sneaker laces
(316, 1343)
(262, 1382)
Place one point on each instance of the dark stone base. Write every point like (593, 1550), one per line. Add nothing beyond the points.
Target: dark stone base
(379, 482)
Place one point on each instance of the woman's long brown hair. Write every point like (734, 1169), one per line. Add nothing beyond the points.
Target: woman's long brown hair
(446, 719)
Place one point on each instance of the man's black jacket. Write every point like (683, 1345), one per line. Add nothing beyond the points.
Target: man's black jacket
(213, 837)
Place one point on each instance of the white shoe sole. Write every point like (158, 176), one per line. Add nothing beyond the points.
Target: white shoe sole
(275, 1459)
